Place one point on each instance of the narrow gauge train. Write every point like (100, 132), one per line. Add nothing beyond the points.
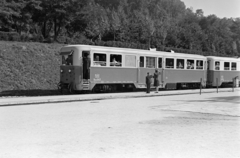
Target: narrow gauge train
(109, 69)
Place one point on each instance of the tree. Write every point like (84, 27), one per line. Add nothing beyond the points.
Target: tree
(97, 21)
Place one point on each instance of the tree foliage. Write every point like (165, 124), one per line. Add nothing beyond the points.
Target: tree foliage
(151, 23)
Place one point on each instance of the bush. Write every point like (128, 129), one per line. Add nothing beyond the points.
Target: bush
(37, 38)
(9, 36)
(3, 36)
(13, 36)
(24, 38)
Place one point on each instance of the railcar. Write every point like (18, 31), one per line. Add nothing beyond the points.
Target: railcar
(223, 71)
(109, 69)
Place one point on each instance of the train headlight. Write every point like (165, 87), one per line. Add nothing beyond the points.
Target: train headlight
(69, 70)
(61, 70)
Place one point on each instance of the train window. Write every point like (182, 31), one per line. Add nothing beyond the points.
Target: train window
(159, 62)
(226, 66)
(217, 65)
(150, 62)
(141, 63)
(115, 60)
(190, 64)
(99, 59)
(199, 64)
(169, 63)
(67, 59)
(234, 66)
(130, 60)
(180, 63)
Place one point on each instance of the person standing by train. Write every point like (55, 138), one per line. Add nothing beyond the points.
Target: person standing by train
(148, 82)
(86, 66)
(156, 79)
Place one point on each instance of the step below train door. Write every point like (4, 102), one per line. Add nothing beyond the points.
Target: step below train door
(86, 62)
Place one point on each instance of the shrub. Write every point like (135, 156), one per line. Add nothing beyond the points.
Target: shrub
(9, 36)
(24, 38)
(13, 36)
(3, 36)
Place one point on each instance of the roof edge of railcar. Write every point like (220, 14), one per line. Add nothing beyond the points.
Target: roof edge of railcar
(131, 50)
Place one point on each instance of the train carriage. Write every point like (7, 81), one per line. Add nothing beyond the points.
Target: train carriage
(109, 69)
(223, 71)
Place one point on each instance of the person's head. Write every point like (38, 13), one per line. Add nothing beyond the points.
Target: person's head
(156, 70)
(97, 58)
(148, 73)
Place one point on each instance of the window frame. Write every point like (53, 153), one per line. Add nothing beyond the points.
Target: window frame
(226, 67)
(115, 64)
(169, 67)
(182, 63)
(99, 62)
(190, 64)
(235, 66)
(144, 62)
(153, 60)
(135, 61)
(158, 62)
(201, 67)
(215, 63)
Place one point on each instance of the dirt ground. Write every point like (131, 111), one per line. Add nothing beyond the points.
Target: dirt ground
(182, 126)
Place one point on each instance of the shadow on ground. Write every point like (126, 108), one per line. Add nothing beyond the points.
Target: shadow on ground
(35, 92)
(233, 99)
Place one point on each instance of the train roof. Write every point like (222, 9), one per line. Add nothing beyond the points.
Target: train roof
(224, 58)
(137, 51)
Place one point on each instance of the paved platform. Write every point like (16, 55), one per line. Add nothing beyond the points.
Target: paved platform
(87, 97)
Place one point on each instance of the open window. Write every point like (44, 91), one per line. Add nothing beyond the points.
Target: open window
(180, 63)
(217, 65)
(141, 62)
(67, 57)
(115, 60)
(190, 64)
(169, 63)
(150, 62)
(159, 62)
(226, 66)
(99, 59)
(234, 66)
(199, 64)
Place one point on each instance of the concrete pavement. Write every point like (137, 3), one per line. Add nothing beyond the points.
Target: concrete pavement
(85, 97)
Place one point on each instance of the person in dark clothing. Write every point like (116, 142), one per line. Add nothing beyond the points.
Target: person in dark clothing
(86, 66)
(156, 79)
(69, 60)
(148, 82)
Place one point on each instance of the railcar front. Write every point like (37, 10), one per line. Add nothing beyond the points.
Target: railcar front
(74, 69)
(223, 71)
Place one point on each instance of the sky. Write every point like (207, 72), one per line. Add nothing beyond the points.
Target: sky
(221, 8)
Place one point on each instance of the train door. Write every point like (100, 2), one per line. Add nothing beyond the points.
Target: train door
(160, 66)
(86, 65)
(209, 75)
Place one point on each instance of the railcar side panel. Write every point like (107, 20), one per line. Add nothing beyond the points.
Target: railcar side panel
(184, 76)
(107, 75)
(222, 77)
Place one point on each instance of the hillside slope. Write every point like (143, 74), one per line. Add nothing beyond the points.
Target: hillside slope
(29, 66)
